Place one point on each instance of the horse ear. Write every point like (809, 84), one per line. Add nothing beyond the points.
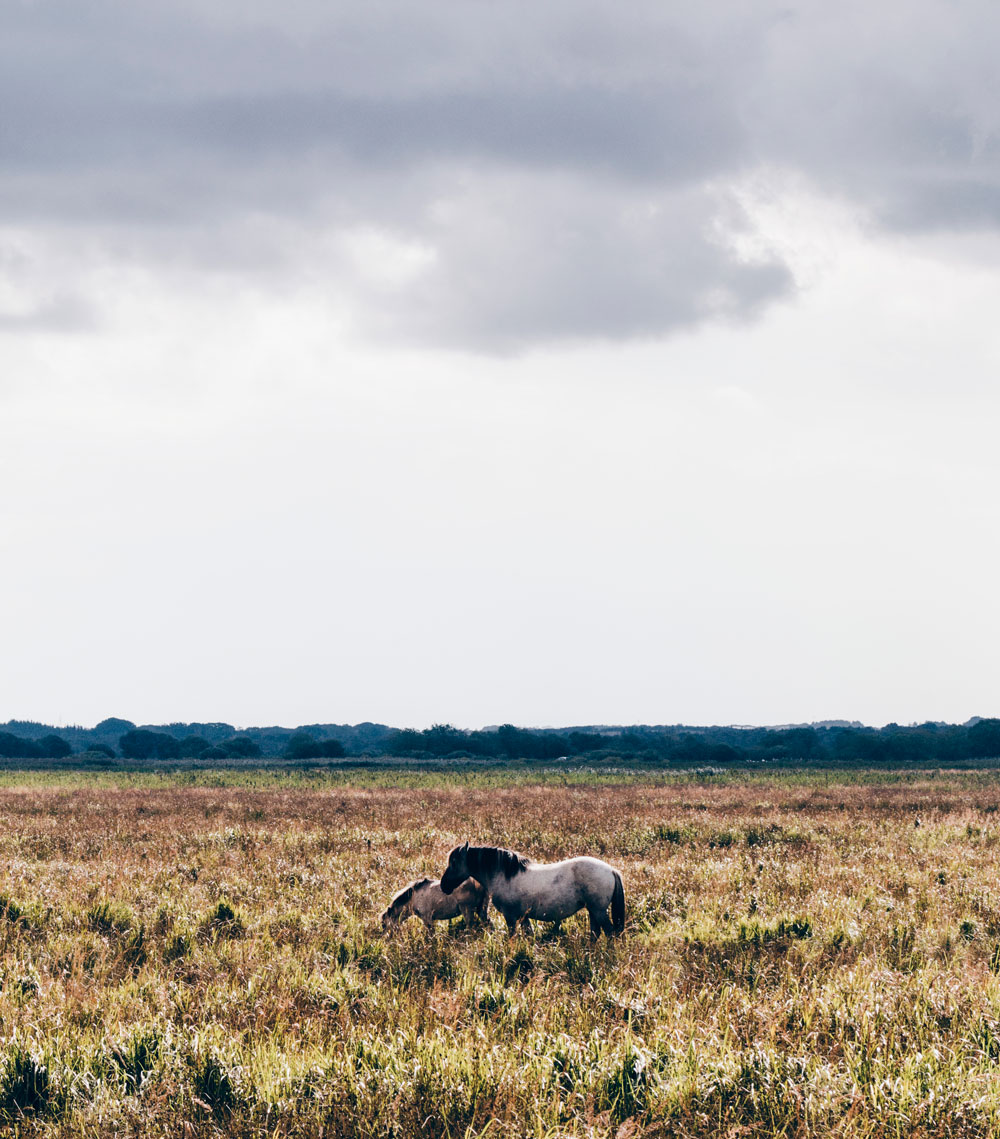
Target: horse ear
(465, 848)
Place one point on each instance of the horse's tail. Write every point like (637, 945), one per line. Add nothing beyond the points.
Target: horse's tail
(618, 905)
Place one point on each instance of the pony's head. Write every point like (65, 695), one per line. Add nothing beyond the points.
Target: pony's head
(398, 908)
(457, 870)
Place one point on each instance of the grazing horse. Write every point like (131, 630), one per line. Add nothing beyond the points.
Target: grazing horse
(426, 900)
(522, 889)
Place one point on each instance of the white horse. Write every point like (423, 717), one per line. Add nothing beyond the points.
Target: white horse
(425, 900)
(522, 889)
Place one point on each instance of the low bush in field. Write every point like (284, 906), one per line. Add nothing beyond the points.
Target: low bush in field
(222, 921)
(24, 1084)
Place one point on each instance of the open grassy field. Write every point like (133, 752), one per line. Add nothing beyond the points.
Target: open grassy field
(802, 958)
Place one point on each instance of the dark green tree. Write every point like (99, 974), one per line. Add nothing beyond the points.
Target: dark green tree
(241, 746)
(144, 744)
(54, 747)
(14, 747)
(302, 746)
(101, 749)
(984, 739)
(192, 746)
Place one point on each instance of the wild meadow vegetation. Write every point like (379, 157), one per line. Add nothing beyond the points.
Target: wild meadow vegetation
(805, 955)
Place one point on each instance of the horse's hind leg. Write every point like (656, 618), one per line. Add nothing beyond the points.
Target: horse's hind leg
(599, 923)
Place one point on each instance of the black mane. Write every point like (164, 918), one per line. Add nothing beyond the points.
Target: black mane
(404, 895)
(498, 860)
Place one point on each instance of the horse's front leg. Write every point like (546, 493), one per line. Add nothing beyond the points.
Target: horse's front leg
(476, 918)
(526, 925)
(512, 916)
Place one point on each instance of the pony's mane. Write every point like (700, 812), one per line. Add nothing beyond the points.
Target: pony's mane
(401, 897)
(500, 860)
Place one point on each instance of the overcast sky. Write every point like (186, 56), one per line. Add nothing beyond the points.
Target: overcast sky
(555, 363)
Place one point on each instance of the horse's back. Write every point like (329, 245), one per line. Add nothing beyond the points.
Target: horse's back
(436, 904)
(593, 873)
(587, 863)
(429, 900)
(596, 876)
(551, 891)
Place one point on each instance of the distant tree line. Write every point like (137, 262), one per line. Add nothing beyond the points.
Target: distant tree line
(839, 742)
(117, 738)
(48, 747)
(924, 743)
(146, 744)
(142, 743)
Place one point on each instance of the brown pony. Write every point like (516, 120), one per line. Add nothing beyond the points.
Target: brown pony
(424, 899)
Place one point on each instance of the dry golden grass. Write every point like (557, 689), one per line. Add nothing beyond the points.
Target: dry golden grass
(801, 959)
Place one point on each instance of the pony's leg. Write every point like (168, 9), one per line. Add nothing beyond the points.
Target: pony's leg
(526, 926)
(481, 916)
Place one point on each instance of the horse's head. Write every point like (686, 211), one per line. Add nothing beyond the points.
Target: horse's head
(457, 871)
(398, 908)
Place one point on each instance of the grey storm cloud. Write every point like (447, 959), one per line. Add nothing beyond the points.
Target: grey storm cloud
(565, 167)
(61, 314)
